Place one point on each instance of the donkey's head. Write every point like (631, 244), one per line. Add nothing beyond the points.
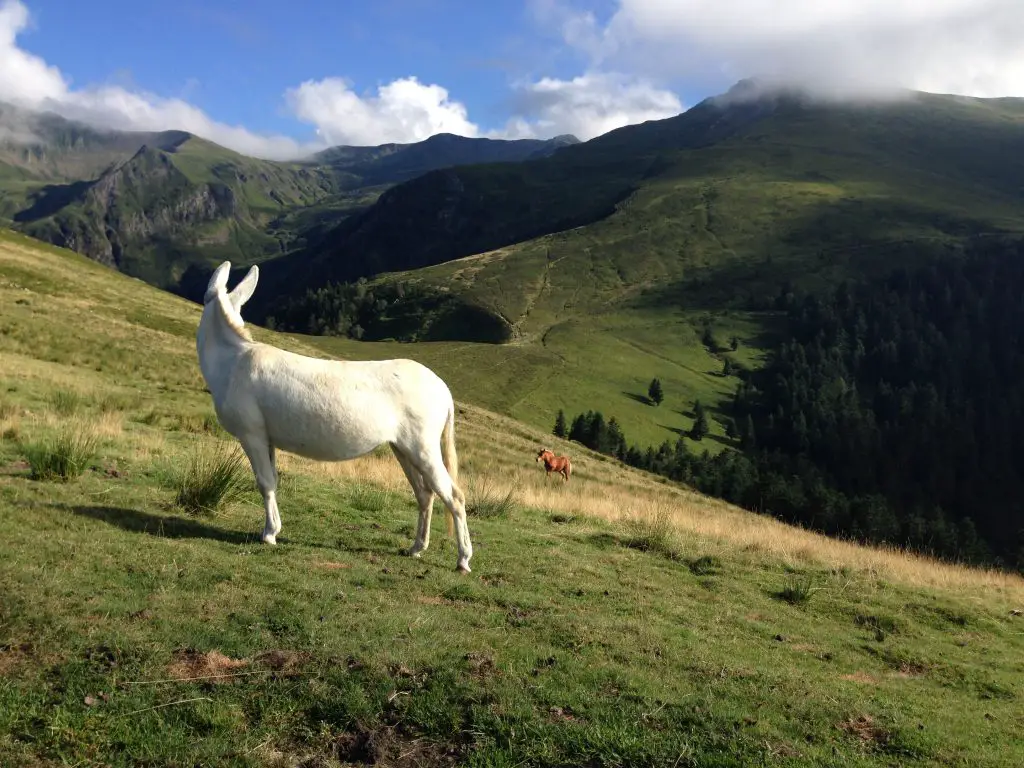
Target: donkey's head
(218, 302)
(543, 453)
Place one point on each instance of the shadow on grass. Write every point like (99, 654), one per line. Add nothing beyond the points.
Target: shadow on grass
(137, 521)
(602, 540)
(642, 399)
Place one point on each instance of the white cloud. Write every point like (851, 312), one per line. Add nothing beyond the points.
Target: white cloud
(28, 81)
(404, 110)
(970, 47)
(588, 105)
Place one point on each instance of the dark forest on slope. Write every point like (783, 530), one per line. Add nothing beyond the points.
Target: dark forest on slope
(893, 413)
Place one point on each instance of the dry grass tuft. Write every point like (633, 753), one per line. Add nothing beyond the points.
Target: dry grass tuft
(62, 456)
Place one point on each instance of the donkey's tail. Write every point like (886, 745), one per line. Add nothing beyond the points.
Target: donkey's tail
(451, 461)
(568, 468)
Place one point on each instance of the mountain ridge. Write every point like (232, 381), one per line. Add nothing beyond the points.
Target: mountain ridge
(733, 181)
(92, 189)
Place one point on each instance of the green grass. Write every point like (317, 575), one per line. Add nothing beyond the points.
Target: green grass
(604, 363)
(66, 402)
(131, 633)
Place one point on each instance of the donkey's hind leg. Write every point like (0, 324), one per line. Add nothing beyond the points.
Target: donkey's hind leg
(432, 467)
(424, 498)
(261, 457)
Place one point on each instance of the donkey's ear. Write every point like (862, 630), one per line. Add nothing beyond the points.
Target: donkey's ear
(243, 291)
(218, 281)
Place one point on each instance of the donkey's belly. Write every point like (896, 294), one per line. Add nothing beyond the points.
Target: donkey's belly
(337, 435)
(331, 440)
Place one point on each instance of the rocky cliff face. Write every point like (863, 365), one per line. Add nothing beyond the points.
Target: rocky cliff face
(142, 198)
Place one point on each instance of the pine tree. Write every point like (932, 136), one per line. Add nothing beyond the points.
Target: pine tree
(560, 428)
(654, 392)
(616, 440)
(700, 422)
(578, 430)
(707, 338)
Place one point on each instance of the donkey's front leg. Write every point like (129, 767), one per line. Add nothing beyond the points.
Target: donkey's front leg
(261, 457)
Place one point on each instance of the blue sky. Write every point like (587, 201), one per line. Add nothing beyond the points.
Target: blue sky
(237, 59)
(280, 79)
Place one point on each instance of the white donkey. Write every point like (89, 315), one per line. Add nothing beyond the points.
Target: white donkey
(328, 410)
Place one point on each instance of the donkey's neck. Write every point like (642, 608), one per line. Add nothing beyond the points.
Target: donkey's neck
(219, 344)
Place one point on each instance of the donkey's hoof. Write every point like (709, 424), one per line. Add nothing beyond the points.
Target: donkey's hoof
(269, 538)
(463, 568)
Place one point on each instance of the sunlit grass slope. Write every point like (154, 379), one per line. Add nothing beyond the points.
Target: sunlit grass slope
(612, 621)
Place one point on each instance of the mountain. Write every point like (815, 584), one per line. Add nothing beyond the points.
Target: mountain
(660, 250)
(392, 163)
(162, 206)
(44, 145)
(733, 197)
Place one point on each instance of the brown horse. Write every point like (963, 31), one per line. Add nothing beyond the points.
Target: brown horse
(552, 463)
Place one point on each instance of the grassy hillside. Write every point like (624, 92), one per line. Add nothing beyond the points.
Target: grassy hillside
(604, 362)
(613, 621)
(699, 217)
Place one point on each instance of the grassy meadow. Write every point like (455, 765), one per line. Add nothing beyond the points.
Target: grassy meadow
(616, 620)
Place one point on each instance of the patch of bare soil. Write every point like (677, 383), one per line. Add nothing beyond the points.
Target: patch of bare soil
(389, 748)
(431, 600)
(213, 665)
(561, 714)
(481, 665)
(865, 729)
(910, 669)
(13, 656)
(283, 661)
